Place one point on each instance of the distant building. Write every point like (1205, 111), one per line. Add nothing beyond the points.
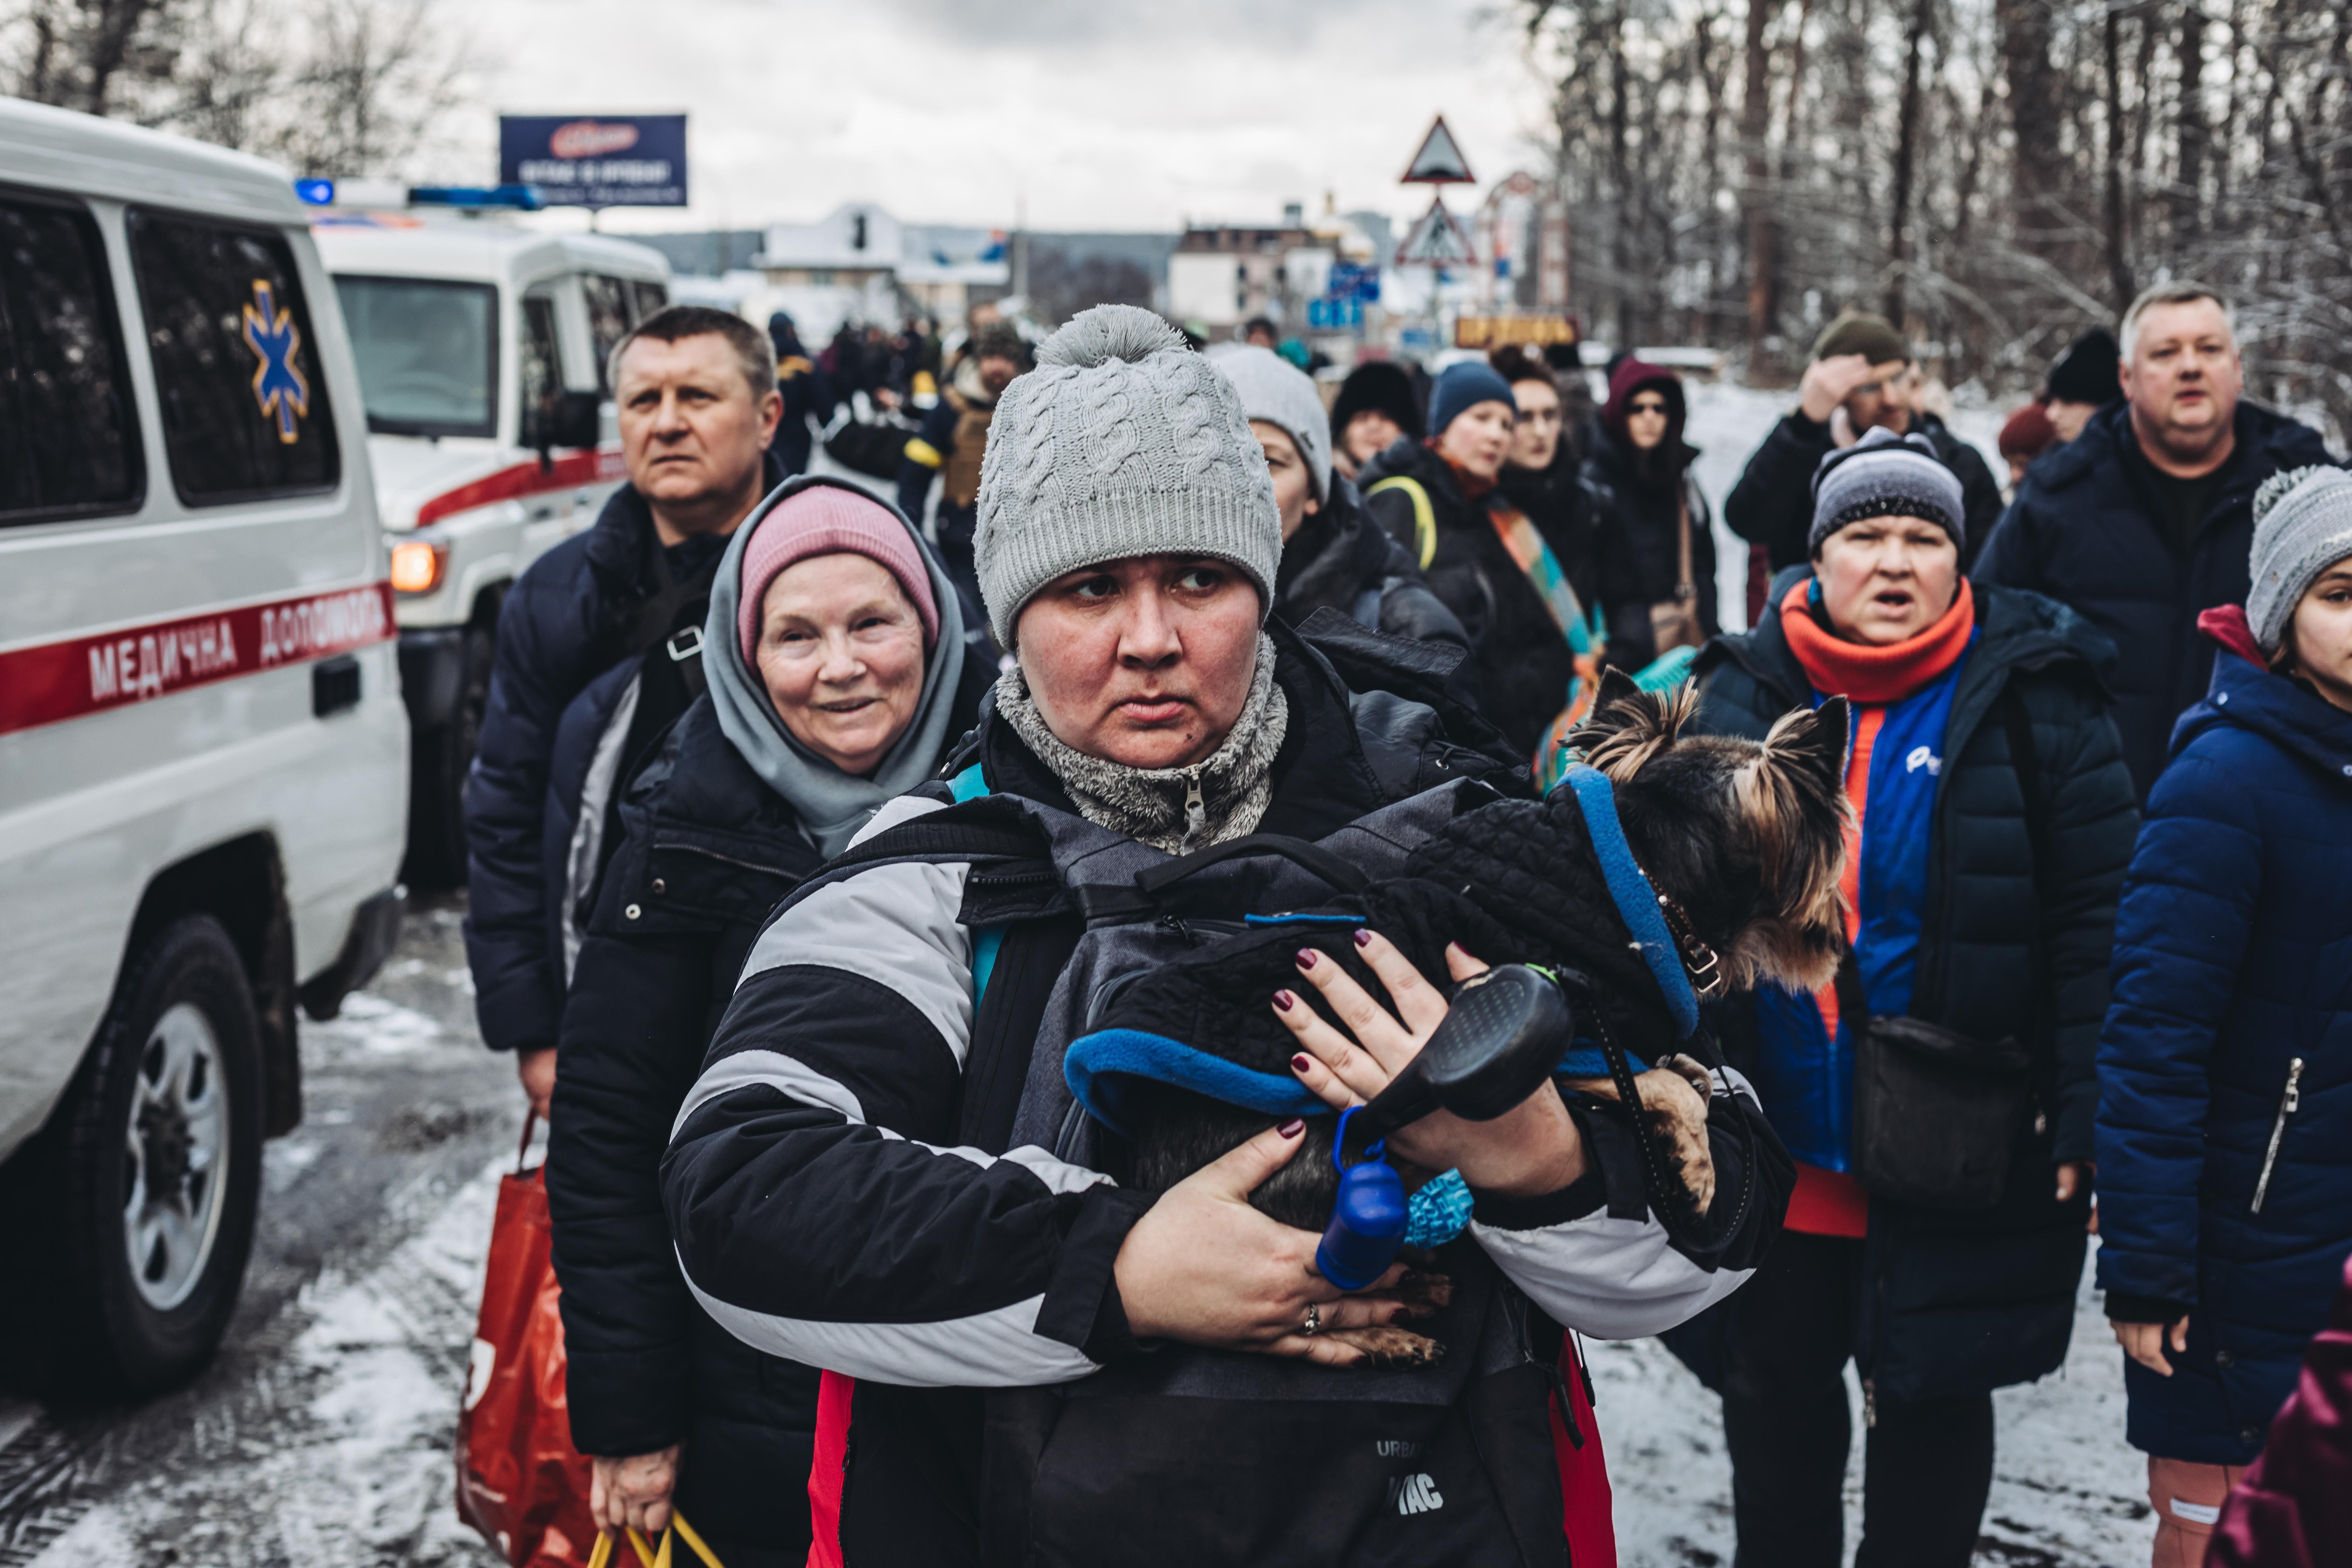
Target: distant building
(859, 263)
(1223, 275)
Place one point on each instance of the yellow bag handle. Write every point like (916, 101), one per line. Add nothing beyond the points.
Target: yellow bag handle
(1425, 516)
(601, 1555)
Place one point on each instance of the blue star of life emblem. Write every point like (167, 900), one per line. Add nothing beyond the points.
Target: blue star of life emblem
(278, 385)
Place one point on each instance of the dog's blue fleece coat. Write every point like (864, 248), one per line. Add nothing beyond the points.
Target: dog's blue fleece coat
(1097, 1066)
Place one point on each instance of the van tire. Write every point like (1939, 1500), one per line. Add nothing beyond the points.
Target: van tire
(186, 982)
(440, 759)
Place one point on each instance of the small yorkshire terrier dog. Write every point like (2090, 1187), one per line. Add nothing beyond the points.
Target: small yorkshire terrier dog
(1743, 844)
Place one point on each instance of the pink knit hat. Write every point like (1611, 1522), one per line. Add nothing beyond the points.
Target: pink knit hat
(826, 520)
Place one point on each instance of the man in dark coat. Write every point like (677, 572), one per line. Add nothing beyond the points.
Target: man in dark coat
(806, 391)
(2145, 519)
(1862, 376)
(698, 412)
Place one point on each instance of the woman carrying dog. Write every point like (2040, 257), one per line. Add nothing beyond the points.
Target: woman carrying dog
(839, 673)
(852, 1183)
(1940, 1097)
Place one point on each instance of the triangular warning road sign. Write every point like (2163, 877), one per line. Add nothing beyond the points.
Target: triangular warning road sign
(1439, 162)
(1438, 239)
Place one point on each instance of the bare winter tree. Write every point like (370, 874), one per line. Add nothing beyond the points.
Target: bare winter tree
(1998, 173)
(328, 87)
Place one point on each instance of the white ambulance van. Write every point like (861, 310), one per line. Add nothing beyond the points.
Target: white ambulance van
(481, 349)
(203, 760)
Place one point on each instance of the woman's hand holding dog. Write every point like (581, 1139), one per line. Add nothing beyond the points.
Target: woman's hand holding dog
(1527, 1151)
(1204, 1267)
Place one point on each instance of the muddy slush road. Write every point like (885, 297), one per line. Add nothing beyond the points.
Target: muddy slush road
(321, 1435)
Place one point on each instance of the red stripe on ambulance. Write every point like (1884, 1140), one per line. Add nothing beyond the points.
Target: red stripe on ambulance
(51, 682)
(530, 479)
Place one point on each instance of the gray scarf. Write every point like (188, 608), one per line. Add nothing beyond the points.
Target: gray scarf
(1174, 810)
(833, 805)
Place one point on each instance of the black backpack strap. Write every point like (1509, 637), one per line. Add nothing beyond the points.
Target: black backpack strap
(655, 618)
(989, 828)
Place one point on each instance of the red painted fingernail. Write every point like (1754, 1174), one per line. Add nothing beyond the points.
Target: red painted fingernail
(1307, 956)
(1284, 1000)
(1363, 937)
(1293, 1127)
(1300, 1062)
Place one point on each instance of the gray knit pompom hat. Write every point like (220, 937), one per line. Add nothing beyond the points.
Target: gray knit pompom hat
(2302, 525)
(1122, 442)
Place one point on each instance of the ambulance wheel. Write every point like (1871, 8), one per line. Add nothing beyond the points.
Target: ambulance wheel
(439, 759)
(157, 1168)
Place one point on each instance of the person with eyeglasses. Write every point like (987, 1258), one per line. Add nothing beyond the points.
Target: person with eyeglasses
(1654, 550)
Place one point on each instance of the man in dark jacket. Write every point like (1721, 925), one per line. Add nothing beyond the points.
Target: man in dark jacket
(950, 443)
(807, 393)
(2145, 519)
(1862, 376)
(698, 412)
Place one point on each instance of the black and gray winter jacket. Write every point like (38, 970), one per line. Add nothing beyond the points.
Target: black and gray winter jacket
(845, 1187)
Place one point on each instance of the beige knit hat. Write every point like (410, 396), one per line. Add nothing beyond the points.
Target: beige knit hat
(1122, 442)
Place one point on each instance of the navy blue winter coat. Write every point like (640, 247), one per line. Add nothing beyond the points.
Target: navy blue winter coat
(557, 633)
(2084, 530)
(2233, 961)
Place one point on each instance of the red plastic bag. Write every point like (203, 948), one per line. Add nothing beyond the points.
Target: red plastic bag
(520, 1480)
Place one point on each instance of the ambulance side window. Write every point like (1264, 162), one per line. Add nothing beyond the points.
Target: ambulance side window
(648, 297)
(236, 366)
(608, 317)
(68, 435)
(540, 375)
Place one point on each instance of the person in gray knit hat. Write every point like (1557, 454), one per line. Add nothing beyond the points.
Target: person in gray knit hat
(2302, 525)
(1120, 474)
(1122, 442)
(1886, 475)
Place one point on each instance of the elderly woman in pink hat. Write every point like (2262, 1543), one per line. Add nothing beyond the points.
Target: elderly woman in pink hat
(838, 674)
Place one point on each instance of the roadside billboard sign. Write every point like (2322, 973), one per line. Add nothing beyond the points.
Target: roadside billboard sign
(596, 160)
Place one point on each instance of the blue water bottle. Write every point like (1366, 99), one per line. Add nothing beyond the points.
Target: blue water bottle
(1368, 1218)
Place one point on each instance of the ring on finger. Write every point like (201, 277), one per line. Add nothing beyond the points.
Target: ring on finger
(1314, 1325)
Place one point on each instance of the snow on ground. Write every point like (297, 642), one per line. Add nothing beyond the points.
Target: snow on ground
(2066, 1491)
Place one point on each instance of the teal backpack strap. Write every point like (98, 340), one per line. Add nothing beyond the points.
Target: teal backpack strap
(966, 785)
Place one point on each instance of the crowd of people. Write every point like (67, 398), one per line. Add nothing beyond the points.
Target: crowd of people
(849, 1278)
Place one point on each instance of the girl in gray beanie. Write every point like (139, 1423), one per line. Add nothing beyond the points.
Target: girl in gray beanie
(2302, 525)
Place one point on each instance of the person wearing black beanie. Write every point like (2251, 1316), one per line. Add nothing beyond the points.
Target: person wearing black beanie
(2085, 379)
(1376, 406)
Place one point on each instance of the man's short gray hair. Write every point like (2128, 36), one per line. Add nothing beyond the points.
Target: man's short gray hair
(752, 349)
(2180, 292)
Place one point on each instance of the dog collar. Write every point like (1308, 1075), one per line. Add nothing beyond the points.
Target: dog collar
(1640, 904)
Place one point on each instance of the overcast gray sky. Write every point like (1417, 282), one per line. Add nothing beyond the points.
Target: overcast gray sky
(1114, 114)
